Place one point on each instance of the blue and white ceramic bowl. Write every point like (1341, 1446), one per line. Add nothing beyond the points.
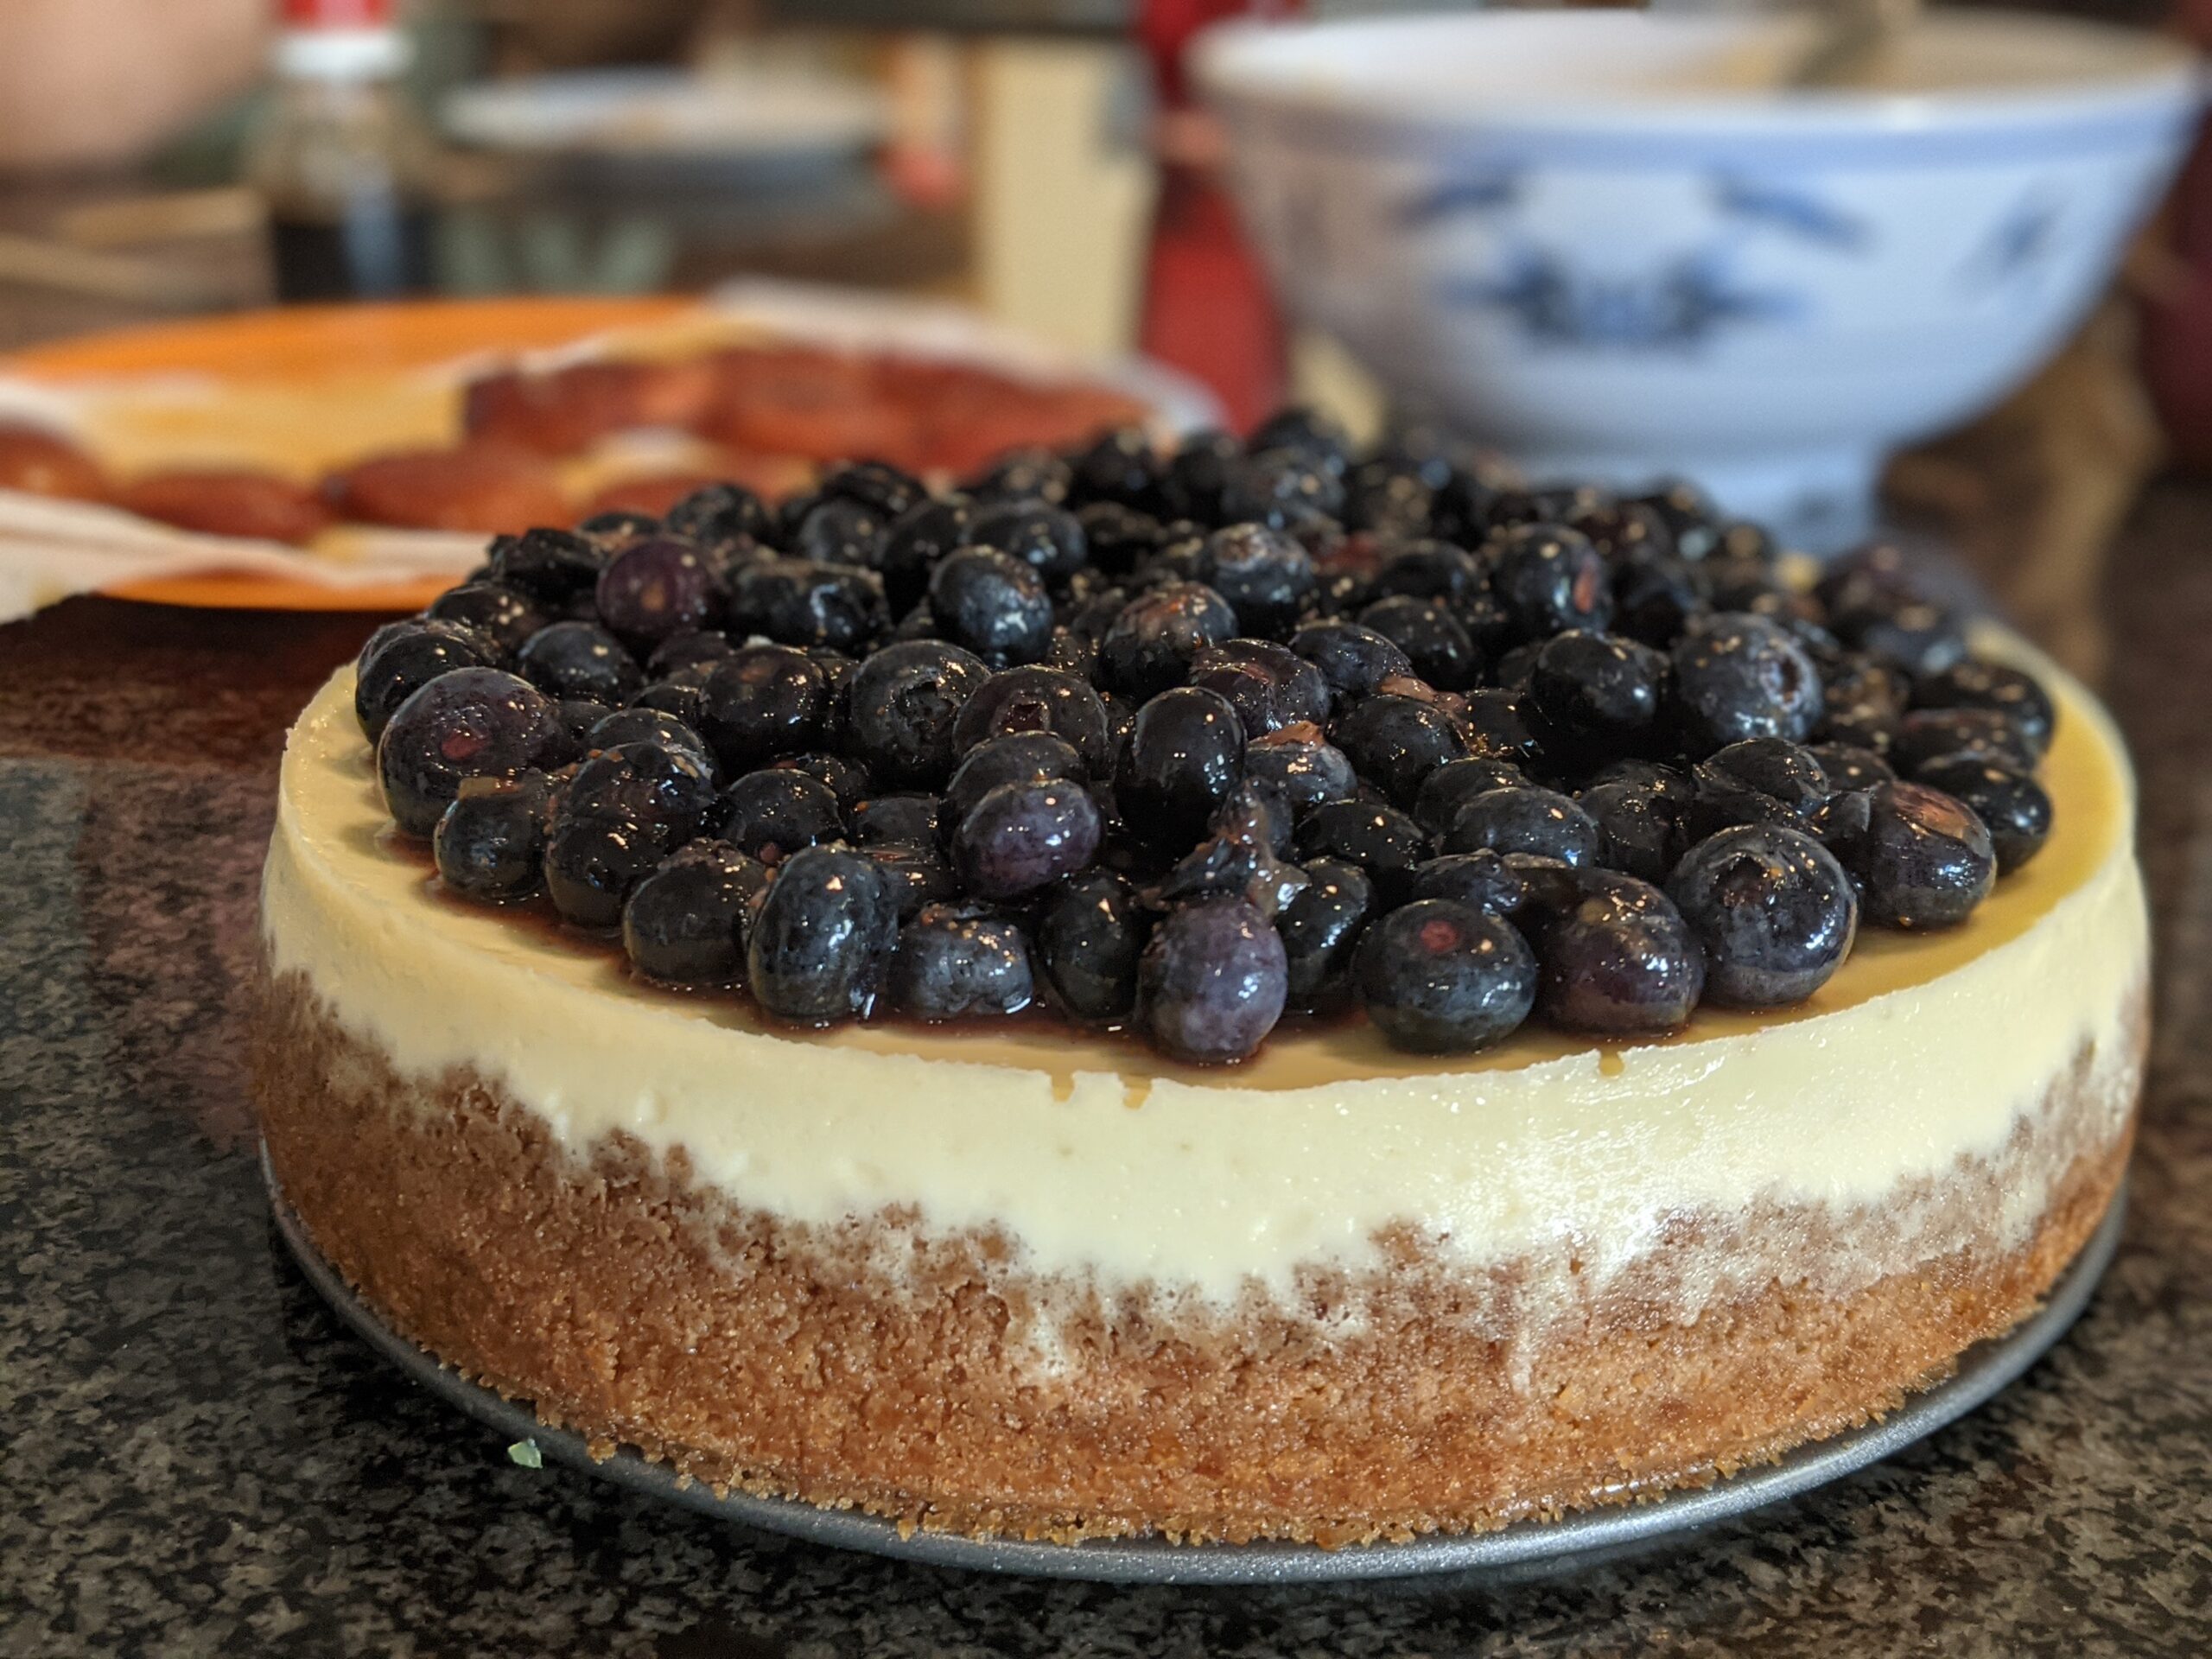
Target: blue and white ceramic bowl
(1605, 244)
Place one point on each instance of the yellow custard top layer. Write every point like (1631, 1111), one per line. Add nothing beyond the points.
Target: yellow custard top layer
(1100, 1155)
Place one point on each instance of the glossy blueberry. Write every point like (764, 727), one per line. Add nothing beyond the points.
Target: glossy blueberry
(1090, 933)
(915, 541)
(1268, 685)
(1640, 828)
(617, 527)
(1927, 735)
(1616, 959)
(1279, 487)
(1846, 766)
(1022, 836)
(796, 602)
(1212, 981)
(592, 864)
(848, 779)
(1320, 927)
(1263, 573)
(886, 490)
(1624, 532)
(1381, 840)
(1602, 692)
(772, 813)
(1049, 539)
(1302, 767)
(1456, 781)
(622, 725)
(1395, 743)
(1688, 514)
(1241, 856)
(1921, 858)
(684, 923)
(1482, 880)
(551, 566)
(1430, 570)
(1119, 538)
(822, 937)
(653, 588)
(402, 658)
(955, 961)
(1862, 700)
(1184, 755)
(1023, 474)
(992, 604)
(1018, 757)
(471, 723)
(838, 529)
(1498, 729)
(919, 875)
(1772, 910)
(1149, 646)
(719, 515)
(668, 792)
(1656, 598)
(907, 819)
(1441, 651)
(503, 616)
(1197, 472)
(1548, 579)
(2012, 805)
(1526, 819)
(1038, 699)
(1996, 688)
(689, 648)
(1311, 434)
(764, 700)
(580, 659)
(490, 840)
(1118, 466)
(902, 707)
(1921, 638)
(1354, 660)
(1438, 977)
(1759, 780)
(1738, 677)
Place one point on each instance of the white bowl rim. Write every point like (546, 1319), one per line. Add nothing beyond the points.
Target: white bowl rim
(2137, 73)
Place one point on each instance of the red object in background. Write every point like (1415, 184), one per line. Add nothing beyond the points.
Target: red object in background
(1207, 307)
(2177, 317)
(336, 14)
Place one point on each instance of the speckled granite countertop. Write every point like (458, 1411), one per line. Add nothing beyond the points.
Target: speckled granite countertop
(198, 1459)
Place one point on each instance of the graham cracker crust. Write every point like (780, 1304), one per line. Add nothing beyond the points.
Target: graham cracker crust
(928, 1377)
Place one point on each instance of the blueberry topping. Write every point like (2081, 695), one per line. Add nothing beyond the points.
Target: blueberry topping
(1320, 927)
(1522, 818)
(503, 616)
(653, 588)
(1023, 474)
(1927, 735)
(580, 659)
(592, 863)
(764, 700)
(1396, 742)
(684, 923)
(1212, 981)
(551, 566)
(1738, 676)
(1049, 539)
(1241, 857)
(645, 725)
(688, 648)
(1759, 780)
(1640, 826)
(1018, 757)
(1381, 840)
(1090, 933)
(952, 961)
(1119, 466)
(904, 701)
(884, 490)
(822, 937)
(772, 813)
(1548, 578)
(1438, 977)
(1039, 700)
(471, 723)
(848, 779)
(1264, 575)
(2012, 805)
(719, 515)
(1443, 791)
(914, 544)
(917, 875)
(1022, 836)
(1268, 686)
(1999, 689)
(1149, 646)
(1617, 959)
(490, 840)
(1302, 766)
(402, 658)
(1922, 859)
(797, 603)
(1600, 690)
(1847, 767)
(907, 819)
(992, 604)
(1773, 910)
(1482, 880)
(1354, 660)
(1184, 755)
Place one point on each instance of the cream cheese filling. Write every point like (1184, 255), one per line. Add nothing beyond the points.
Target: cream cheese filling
(1097, 1159)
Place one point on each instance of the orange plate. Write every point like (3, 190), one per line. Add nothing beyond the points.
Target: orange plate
(356, 339)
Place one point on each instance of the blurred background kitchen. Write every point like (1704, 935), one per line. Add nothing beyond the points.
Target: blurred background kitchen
(1045, 161)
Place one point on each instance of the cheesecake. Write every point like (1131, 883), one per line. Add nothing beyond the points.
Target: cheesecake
(1024, 1277)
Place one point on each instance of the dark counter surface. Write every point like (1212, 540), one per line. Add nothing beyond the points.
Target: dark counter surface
(198, 1459)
